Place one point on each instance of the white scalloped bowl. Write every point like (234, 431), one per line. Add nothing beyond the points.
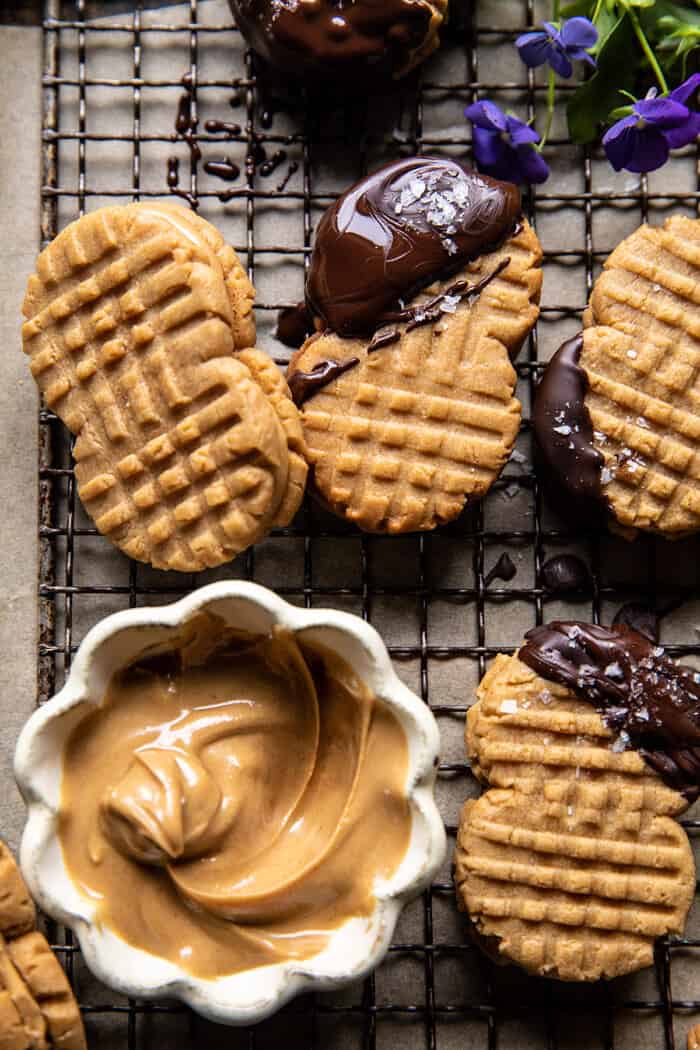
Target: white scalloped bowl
(359, 944)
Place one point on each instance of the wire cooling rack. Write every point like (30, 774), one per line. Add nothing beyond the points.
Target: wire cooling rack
(112, 88)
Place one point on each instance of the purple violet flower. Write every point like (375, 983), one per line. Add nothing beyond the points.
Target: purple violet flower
(504, 146)
(641, 140)
(557, 47)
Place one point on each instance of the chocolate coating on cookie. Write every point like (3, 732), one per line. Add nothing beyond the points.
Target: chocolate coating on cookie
(303, 385)
(652, 702)
(396, 231)
(564, 430)
(321, 39)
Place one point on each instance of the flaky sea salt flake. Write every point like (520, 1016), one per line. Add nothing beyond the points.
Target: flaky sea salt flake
(449, 304)
(508, 707)
(622, 742)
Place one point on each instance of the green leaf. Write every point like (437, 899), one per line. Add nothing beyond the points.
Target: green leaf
(605, 24)
(616, 71)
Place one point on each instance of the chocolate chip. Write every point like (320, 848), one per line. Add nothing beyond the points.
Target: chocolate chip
(504, 569)
(640, 617)
(565, 572)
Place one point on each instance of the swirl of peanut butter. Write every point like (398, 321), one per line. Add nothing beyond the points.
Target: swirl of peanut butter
(166, 806)
(233, 802)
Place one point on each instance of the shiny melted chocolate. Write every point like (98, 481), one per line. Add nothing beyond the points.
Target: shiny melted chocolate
(294, 325)
(649, 700)
(325, 39)
(396, 231)
(303, 385)
(564, 430)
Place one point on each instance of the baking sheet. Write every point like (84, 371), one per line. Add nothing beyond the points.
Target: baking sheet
(425, 594)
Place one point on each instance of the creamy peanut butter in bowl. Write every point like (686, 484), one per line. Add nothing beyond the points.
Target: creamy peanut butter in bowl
(230, 800)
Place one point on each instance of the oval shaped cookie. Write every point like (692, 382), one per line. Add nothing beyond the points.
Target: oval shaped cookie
(180, 457)
(413, 429)
(626, 444)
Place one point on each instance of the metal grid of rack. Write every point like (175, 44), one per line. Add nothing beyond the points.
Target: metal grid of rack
(430, 595)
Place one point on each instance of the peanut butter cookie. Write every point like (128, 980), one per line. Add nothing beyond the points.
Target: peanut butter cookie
(180, 457)
(616, 415)
(407, 395)
(571, 863)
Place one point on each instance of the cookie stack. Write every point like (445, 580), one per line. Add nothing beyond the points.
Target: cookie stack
(571, 864)
(37, 1008)
(140, 334)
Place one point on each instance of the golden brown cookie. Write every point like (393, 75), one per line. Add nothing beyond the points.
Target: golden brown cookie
(240, 290)
(17, 912)
(268, 376)
(180, 457)
(570, 864)
(37, 1008)
(694, 1037)
(27, 1026)
(262, 367)
(46, 983)
(635, 449)
(402, 440)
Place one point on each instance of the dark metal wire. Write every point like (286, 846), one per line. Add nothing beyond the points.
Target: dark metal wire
(59, 533)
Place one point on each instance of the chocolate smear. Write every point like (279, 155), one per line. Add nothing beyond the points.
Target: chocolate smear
(223, 169)
(173, 180)
(294, 325)
(650, 701)
(292, 169)
(504, 569)
(564, 573)
(564, 432)
(398, 230)
(383, 337)
(304, 385)
(185, 121)
(273, 162)
(225, 127)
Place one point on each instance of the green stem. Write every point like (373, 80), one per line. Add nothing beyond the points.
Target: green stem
(596, 12)
(651, 57)
(551, 87)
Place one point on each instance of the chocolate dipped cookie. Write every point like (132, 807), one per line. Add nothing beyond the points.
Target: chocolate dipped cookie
(424, 281)
(571, 864)
(322, 40)
(616, 415)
